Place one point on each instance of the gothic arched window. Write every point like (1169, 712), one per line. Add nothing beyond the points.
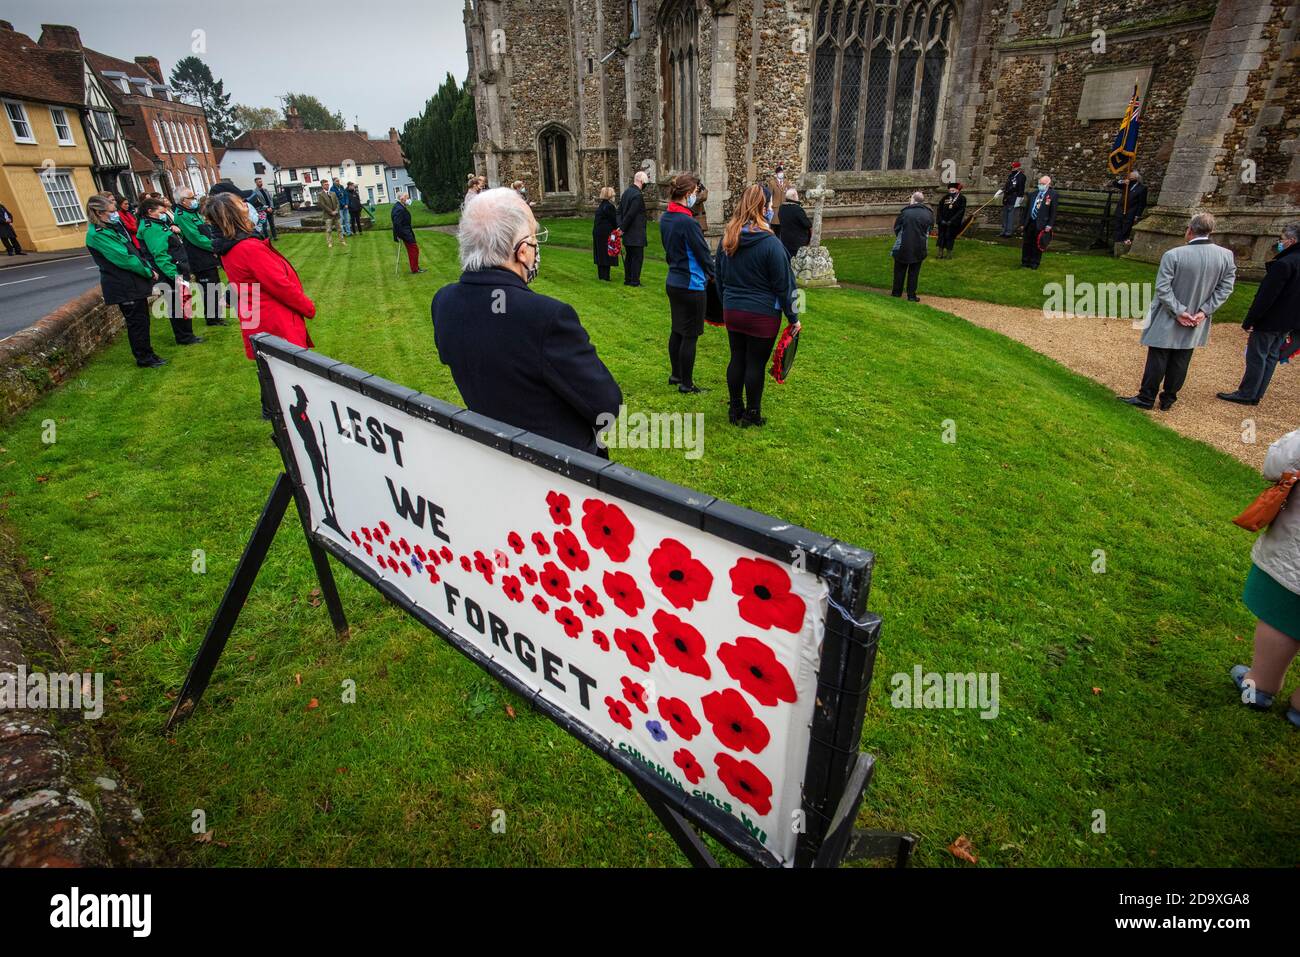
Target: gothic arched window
(553, 145)
(878, 71)
(680, 72)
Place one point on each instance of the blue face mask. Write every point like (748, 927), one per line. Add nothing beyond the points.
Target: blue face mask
(115, 217)
(1281, 246)
(690, 201)
(1042, 187)
(768, 215)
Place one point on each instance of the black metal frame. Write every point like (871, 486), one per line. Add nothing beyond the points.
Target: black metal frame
(836, 774)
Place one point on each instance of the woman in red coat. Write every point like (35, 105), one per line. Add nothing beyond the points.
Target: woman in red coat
(268, 290)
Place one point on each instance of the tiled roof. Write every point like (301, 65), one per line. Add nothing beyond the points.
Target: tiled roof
(291, 149)
(139, 162)
(391, 152)
(99, 62)
(29, 71)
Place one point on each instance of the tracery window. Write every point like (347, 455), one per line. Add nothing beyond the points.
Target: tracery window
(680, 74)
(878, 69)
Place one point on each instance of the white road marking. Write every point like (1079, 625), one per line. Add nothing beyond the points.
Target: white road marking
(17, 281)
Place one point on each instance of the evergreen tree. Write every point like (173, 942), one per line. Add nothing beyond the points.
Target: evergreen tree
(439, 144)
(193, 82)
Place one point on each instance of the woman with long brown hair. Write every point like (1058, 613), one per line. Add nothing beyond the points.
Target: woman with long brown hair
(756, 285)
(268, 292)
(690, 270)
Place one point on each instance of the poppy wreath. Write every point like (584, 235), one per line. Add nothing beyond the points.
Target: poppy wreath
(789, 342)
(765, 597)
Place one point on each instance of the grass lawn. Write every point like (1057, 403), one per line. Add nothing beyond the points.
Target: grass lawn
(1114, 686)
(421, 215)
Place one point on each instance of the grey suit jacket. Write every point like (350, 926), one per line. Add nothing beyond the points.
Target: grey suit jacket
(1197, 277)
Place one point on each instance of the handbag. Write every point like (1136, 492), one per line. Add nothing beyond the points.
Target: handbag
(1268, 504)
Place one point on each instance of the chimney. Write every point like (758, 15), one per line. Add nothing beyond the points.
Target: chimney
(392, 134)
(151, 66)
(58, 37)
(292, 120)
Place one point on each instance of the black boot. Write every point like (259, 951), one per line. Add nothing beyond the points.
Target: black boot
(183, 329)
(752, 417)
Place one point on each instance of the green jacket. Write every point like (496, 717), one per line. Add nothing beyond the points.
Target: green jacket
(155, 234)
(112, 245)
(189, 221)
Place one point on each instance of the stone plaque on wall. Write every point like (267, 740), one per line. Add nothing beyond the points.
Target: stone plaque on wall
(1106, 92)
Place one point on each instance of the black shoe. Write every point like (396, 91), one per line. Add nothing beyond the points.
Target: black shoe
(217, 322)
(418, 271)
(152, 362)
(735, 417)
(897, 295)
(1165, 404)
(190, 341)
(753, 418)
(690, 389)
(1136, 400)
(913, 299)
(1236, 397)
(674, 380)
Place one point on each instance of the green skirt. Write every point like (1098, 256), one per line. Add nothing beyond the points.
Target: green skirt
(1271, 603)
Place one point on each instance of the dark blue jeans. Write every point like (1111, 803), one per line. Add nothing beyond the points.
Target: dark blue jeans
(1263, 349)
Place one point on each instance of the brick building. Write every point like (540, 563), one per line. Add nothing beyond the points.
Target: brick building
(886, 97)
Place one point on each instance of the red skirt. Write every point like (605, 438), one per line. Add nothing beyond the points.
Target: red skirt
(751, 323)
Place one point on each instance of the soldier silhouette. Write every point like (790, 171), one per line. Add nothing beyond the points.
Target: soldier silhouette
(315, 452)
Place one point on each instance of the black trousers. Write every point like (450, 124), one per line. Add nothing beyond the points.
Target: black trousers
(210, 291)
(912, 272)
(10, 239)
(270, 223)
(1263, 350)
(1167, 366)
(1124, 226)
(746, 371)
(948, 234)
(633, 257)
(136, 314)
(1030, 254)
(182, 328)
(603, 272)
(687, 308)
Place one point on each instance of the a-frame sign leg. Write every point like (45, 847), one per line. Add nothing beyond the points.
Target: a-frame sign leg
(678, 828)
(232, 602)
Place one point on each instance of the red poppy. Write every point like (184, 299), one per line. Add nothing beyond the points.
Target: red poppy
(539, 543)
(619, 711)
(433, 574)
(765, 596)
(501, 558)
(446, 554)
(635, 693)
(366, 532)
(622, 589)
(635, 646)
(369, 549)
(540, 604)
(510, 585)
(555, 581)
(384, 526)
(690, 767)
(570, 551)
(682, 578)
(465, 563)
(392, 547)
(432, 556)
(356, 539)
(754, 665)
(405, 547)
(591, 606)
(601, 639)
(559, 505)
(530, 576)
(483, 565)
(515, 542)
(734, 722)
(392, 563)
(678, 714)
(406, 569)
(745, 782)
(419, 553)
(681, 646)
(607, 528)
(571, 622)
(379, 536)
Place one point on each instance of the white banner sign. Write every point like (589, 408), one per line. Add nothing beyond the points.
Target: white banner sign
(692, 655)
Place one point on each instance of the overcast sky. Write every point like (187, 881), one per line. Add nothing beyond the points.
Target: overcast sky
(376, 63)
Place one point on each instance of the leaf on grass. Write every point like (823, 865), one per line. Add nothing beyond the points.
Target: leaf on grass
(297, 679)
(314, 600)
(510, 711)
(204, 838)
(1096, 690)
(313, 704)
(964, 850)
(94, 494)
(42, 478)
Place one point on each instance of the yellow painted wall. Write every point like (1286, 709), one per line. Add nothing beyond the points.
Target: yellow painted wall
(21, 189)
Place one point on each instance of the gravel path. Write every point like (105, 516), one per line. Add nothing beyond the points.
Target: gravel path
(1108, 351)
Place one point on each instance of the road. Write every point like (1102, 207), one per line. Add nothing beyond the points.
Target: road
(34, 290)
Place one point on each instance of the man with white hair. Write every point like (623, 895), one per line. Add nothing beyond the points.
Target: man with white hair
(912, 227)
(403, 233)
(517, 356)
(1193, 281)
(631, 223)
(1040, 218)
(794, 228)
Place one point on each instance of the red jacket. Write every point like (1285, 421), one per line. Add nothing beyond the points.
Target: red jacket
(270, 296)
(131, 224)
